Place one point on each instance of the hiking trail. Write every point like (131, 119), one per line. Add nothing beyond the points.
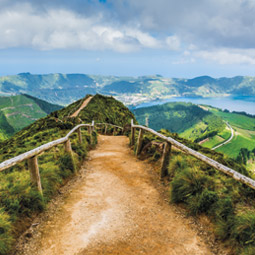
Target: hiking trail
(84, 104)
(114, 207)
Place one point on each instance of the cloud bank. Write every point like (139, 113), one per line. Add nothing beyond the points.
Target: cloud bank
(220, 31)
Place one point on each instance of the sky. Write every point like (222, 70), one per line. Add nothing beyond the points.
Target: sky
(184, 38)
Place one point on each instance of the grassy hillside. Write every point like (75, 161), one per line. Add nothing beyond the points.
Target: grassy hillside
(6, 129)
(203, 124)
(18, 200)
(191, 121)
(244, 127)
(206, 192)
(20, 111)
(63, 89)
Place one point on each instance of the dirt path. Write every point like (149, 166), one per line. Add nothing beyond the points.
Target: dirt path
(228, 140)
(84, 104)
(114, 208)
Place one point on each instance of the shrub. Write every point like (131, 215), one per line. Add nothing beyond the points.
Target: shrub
(244, 228)
(51, 179)
(187, 183)
(201, 203)
(80, 149)
(223, 228)
(17, 196)
(223, 208)
(66, 165)
(6, 239)
(176, 165)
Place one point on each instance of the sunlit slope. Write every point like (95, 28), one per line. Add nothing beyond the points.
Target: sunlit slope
(203, 124)
(20, 111)
(244, 127)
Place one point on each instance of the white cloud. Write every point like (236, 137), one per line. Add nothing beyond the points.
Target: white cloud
(173, 43)
(228, 56)
(63, 29)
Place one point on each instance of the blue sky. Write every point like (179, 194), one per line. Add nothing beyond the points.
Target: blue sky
(185, 38)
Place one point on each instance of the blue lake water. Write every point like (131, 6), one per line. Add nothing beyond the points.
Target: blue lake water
(246, 104)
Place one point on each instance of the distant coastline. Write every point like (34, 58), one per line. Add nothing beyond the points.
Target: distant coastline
(231, 103)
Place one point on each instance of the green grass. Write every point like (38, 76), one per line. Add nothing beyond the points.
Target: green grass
(235, 119)
(195, 131)
(225, 134)
(239, 141)
(213, 142)
(218, 139)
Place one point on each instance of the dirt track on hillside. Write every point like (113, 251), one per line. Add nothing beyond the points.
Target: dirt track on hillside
(114, 208)
(84, 104)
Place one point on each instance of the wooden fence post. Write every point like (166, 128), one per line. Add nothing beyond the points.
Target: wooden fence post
(139, 142)
(93, 125)
(68, 147)
(165, 159)
(105, 130)
(132, 133)
(79, 135)
(34, 173)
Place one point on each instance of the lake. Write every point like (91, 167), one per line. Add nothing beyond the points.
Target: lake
(246, 104)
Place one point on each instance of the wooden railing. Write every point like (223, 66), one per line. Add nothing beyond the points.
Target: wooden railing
(105, 127)
(167, 151)
(32, 155)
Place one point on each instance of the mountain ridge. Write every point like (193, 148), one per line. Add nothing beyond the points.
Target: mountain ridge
(64, 89)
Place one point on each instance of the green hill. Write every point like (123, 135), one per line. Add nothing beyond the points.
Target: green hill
(18, 199)
(6, 129)
(244, 137)
(203, 124)
(19, 111)
(190, 120)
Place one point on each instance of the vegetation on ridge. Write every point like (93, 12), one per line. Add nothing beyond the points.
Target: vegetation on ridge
(18, 199)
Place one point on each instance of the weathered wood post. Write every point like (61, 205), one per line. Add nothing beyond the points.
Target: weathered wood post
(105, 130)
(79, 135)
(139, 142)
(132, 133)
(68, 147)
(165, 159)
(34, 173)
(91, 131)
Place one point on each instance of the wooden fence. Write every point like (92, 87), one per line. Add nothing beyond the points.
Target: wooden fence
(32, 155)
(169, 142)
(105, 127)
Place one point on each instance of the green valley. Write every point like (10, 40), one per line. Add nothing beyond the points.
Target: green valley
(17, 112)
(203, 124)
